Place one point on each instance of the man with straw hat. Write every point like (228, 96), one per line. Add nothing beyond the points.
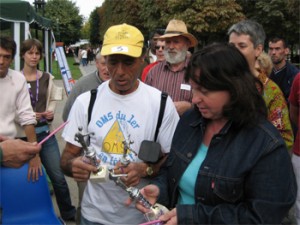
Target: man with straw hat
(168, 76)
(125, 113)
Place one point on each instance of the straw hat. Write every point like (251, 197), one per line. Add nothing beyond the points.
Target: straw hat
(178, 28)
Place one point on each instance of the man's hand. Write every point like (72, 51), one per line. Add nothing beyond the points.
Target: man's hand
(133, 170)
(16, 152)
(3, 138)
(81, 170)
(73, 165)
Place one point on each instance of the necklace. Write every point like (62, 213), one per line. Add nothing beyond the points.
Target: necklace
(36, 99)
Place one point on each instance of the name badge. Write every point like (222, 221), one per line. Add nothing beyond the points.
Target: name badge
(28, 85)
(186, 87)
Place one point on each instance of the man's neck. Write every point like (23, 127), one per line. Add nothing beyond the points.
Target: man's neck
(280, 65)
(3, 76)
(177, 66)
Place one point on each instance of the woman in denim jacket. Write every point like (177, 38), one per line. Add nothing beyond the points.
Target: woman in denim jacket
(228, 164)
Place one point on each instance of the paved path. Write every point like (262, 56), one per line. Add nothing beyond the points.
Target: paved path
(56, 122)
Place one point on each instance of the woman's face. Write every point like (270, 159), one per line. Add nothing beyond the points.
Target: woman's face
(32, 57)
(209, 103)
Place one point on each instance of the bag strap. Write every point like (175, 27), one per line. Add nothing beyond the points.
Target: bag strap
(163, 101)
(91, 105)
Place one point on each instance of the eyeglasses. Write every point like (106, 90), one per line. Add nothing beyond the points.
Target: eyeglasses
(157, 47)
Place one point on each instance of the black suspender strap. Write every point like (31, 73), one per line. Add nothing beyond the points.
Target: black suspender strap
(163, 101)
(91, 105)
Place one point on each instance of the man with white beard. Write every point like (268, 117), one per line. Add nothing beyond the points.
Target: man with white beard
(168, 76)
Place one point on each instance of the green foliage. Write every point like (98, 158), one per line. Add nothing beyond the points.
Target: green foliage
(94, 22)
(205, 19)
(114, 12)
(278, 17)
(74, 69)
(65, 14)
(85, 30)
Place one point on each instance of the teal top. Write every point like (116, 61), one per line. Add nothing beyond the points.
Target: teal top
(188, 179)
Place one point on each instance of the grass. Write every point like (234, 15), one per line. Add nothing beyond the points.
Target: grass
(74, 69)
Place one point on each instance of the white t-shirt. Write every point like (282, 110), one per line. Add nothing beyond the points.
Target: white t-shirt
(116, 118)
(83, 54)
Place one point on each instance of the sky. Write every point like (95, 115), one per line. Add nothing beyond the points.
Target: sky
(85, 6)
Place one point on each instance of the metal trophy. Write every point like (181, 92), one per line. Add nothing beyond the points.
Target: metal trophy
(90, 156)
(156, 210)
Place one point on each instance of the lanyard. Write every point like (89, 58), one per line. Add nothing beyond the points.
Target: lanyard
(36, 99)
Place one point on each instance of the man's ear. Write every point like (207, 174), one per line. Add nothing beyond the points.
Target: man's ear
(286, 51)
(258, 50)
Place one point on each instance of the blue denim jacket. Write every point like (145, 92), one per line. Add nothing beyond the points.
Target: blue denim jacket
(246, 177)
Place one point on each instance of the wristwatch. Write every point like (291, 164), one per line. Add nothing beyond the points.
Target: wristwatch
(149, 170)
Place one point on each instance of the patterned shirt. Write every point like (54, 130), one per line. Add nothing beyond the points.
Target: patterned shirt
(278, 113)
(164, 79)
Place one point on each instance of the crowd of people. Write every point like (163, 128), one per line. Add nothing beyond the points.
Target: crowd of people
(225, 117)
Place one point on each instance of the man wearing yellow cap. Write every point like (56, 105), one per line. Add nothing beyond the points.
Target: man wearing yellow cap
(125, 112)
(168, 76)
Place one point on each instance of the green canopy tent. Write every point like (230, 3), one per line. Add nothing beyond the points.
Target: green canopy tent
(21, 17)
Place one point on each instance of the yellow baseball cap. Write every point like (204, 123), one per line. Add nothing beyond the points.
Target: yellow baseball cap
(123, 39)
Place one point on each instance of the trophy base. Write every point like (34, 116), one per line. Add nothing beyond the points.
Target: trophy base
(101, 176)
(156, 211)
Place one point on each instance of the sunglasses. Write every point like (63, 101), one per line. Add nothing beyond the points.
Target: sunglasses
(157, 47)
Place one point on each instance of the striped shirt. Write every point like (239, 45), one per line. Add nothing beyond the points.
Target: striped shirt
(162, 78)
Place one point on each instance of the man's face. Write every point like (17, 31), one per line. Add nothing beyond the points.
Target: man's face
(176, 49)
(277, 52)
(102, 69)
(123, 71)
(5, 61)
(159, 50)
(246, 47)
(153, 42)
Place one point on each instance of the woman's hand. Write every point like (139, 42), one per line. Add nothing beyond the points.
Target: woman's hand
(48, 115)
(38, 116)
(170, 218)
(150, 192)
(35, 168)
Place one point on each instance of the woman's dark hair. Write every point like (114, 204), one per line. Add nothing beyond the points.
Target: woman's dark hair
(221, 67)
(30, 43)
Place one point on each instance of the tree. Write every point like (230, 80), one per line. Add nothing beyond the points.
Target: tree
(207, 20)
(278, 17)
(94, 21)
(68, 21)
(114, 12)
(85, 30)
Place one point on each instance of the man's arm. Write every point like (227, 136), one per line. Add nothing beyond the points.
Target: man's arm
(294, 112)
(182, 107)
(73, 165)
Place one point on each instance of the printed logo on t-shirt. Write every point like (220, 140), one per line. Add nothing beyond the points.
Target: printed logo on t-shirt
(113, 142)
